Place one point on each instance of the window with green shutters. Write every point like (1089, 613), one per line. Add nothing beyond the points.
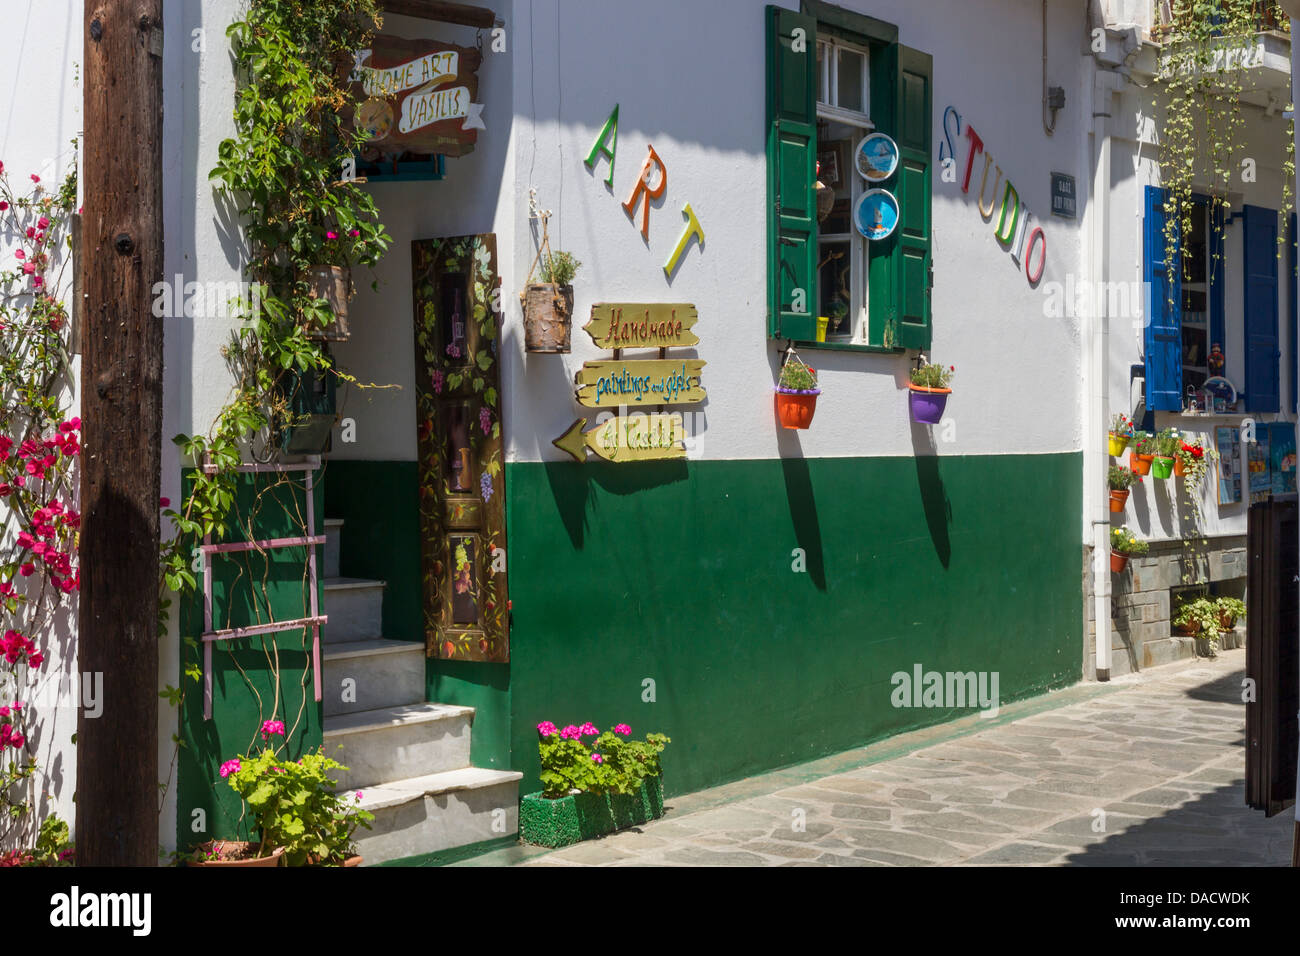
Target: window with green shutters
(846, 76)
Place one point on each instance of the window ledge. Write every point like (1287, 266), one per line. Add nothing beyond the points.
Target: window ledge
(851, 347)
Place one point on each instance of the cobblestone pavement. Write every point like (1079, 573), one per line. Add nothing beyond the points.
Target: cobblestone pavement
(1147, 770)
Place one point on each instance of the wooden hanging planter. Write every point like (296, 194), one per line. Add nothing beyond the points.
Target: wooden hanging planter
(334, 285)
(548, 316)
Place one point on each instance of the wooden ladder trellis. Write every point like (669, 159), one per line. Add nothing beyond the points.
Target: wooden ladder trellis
(314, 619)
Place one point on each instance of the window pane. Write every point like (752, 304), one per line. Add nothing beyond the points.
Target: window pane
(823, 75)
(835, 273)
(849, 91)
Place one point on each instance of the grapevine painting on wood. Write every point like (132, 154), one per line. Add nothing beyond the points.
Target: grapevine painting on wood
(462, 479)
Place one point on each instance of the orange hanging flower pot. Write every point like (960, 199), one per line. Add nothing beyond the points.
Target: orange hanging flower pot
(1118, 499)
(1180, 469)
(1141, 464)
(795, 409)
(1118, 561)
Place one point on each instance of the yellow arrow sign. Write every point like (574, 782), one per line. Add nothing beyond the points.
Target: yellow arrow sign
(641, 325)
(640, 382)
(638, 437)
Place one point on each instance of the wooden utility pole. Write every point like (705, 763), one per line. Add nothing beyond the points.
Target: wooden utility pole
(121, 414)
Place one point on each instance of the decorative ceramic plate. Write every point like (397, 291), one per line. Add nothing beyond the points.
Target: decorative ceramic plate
(876, 158)
(1220, 387)
(876, 215)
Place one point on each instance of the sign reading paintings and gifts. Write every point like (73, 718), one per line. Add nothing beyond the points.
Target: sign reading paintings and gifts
(417, 97)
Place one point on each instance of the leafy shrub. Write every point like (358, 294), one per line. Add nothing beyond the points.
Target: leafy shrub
(1120, 478)
(1201, 615)
(1233, 609)
(798, 377)
(612, 763)
(559, 268)
(1124, 541)
(933, 376)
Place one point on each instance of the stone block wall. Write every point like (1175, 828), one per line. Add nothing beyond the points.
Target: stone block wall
(1143, 594)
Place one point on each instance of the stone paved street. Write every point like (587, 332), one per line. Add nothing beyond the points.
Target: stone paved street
(1161, 754)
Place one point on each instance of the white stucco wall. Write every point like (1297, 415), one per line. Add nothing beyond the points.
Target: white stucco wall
(1153, 507)
(693, 85)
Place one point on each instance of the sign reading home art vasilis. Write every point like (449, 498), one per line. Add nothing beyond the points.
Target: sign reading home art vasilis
(417, 97)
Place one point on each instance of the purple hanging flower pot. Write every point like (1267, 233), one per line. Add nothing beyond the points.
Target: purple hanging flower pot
(927, 403)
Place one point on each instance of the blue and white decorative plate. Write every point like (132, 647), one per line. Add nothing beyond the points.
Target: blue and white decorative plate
(876, 158)
(876, 215)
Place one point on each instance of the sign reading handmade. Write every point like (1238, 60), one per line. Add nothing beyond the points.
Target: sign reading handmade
(636, 325)
(634, 437)
(417, 96)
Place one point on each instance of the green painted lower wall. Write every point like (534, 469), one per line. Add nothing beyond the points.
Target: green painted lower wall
(247, 589)
(681, 575)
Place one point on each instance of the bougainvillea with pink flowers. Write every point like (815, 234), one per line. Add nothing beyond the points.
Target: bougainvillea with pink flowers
(578, 757)
(40, 444)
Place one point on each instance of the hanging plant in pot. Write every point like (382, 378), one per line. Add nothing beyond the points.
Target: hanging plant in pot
(1121, 433)
(796, 392)
(548, 303)
(1120, 480)
(330, 252)
(928, 392)
(1143, 452)
(1124, 544)
(1168, 443)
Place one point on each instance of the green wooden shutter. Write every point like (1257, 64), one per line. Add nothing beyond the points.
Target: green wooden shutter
(791, 175)
(911, 253)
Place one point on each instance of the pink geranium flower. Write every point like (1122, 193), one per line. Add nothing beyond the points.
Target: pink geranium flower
(229, 767)
(623, 729)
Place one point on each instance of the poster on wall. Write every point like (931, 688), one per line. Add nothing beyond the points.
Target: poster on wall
(417, 98)
(1257, 466)
(1281, 462)
(1228, 442)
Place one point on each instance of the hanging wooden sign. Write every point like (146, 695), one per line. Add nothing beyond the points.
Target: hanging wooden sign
(640, 382)
(417, 97)
(640, 325)
(656, 436)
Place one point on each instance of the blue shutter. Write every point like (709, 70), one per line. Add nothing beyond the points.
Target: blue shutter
(1292, 354)
(1261, 255)
(1164, 337)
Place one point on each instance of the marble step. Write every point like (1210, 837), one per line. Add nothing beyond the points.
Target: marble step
(333, 532)
(394, 743)
(368, 675)
(439, 811)
(355, 607)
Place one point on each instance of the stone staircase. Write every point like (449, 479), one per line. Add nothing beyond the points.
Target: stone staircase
(409, 758)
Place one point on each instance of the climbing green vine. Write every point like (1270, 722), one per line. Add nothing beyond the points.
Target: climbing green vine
(283, 177)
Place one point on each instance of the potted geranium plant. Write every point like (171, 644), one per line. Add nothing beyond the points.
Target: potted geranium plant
(1230, 610)
(1143, 452)
(1199, 618)
(796, 393)
(592, 783)
(1124, 544)
(1119, 480)
(1168, 443)
(299, 818)
(548, 304)
(331, 251)
(928, 392)
(1121, 433)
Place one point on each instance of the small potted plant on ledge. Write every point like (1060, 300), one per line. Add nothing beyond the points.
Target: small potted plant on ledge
(1143, 452)
(928, 392)
(1230, 611)
(593, 783)
(1124, 544)
(292, 804)
(1120, 479)
(1199, 618)
(1121, 433)
(796, 392)
(1168, 443)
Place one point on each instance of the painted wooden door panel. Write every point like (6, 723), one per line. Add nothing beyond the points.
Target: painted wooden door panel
(462, 481)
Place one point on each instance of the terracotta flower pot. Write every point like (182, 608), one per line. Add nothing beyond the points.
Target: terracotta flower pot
(236, 849)
(1118, 561)
(548, 316)
(1162, 467)
(1187, 630)
(794, 408)
(1227, 621)
(1118, 499)
(927, 404)
(1141, 464)
(1179, 468)
(334, 285)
